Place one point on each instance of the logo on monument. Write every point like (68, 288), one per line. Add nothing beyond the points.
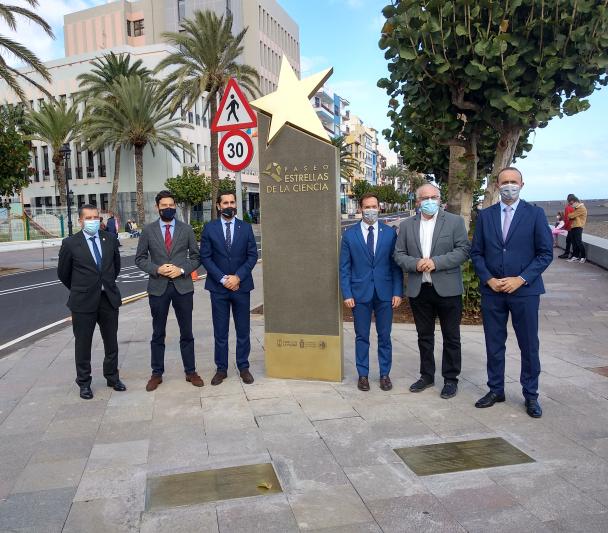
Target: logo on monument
(274, 170)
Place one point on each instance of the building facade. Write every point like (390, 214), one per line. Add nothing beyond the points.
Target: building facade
(332, 110)
(362, 142)
(136, 28)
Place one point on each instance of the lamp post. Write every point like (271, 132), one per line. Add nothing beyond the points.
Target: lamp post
(65, 153)
(196, 168)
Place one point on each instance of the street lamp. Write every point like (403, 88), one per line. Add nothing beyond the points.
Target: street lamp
(65, 154)
(196, 168)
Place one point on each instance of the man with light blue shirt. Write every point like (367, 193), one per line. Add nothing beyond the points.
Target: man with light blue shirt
(89, 263)
(168, 252)
(512, 247)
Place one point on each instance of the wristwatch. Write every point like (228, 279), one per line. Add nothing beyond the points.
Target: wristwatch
(183, 273)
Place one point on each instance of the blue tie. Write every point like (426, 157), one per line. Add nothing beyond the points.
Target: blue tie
(228, 236)
(370, 240)
(96, 253)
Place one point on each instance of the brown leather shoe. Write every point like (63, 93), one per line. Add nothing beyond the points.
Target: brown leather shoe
(246, 376)
(195, 379)
(385, 383)
(363, 383)
(220, 376)
(153, 383)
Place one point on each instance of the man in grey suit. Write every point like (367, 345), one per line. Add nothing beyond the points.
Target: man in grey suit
(168, 252)
(430, 248)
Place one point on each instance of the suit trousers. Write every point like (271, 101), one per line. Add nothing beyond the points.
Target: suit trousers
(221, 304)
(182, 305)
(495, 309)
(362, 315)
(83, 325)
(426, 307)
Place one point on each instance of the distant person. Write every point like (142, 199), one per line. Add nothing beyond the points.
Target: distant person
(229, 253)
(567, 227)
(102, 225)
(558, 228)
(89, 263)
(112, 227)
(372, 284)
(431, 248)
(512, 247)
(578, 219)
(167, 250)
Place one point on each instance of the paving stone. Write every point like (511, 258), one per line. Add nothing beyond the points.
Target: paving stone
(118, 454)
(582, 523)
(378, 482)
(43, 511)
(510, 520)
(199, 518)
(123, 431)
(46, 476)
(63, 449)
(333, 507)
(370, 527)
(73, 427)
(108, 515)
(236, 442)
(127, 483)
(253, 515)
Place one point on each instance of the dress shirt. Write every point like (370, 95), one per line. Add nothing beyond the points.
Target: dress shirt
(224, 225)
(427, 227)
(90, 244)
(365, 231)
(171, 227)
(502, 212)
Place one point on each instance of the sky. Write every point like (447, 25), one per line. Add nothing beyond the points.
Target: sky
(570, 155)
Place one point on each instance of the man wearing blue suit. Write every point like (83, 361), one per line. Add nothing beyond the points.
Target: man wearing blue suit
(371, 282)
(229, 254)
(512, 247)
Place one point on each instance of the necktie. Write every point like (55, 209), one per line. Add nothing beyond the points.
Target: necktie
(168, 239)
(370, 240)
(96, 253)
(506, 222)
(228, 236)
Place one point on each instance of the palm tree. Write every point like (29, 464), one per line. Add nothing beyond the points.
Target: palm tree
(206, 59)
(98, 84)
(9, 74)
(348, 163)
(394, 173)
(54, 124)
(137, 115)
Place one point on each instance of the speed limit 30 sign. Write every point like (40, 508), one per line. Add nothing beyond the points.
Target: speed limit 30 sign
(235, 150)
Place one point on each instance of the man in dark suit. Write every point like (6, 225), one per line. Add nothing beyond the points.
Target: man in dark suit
(229, 254)
(431, 247)
(512, 247)
(371, 282)
(168, 252)
(89, 263)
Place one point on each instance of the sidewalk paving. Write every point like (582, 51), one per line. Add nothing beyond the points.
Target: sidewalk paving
(72, 465)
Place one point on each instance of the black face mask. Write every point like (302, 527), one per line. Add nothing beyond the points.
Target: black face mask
(228, 212)
(167, 214)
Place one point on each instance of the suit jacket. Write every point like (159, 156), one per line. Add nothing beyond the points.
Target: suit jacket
(111, 226)
(152, 253)
(78, 271)
(526, 252)
(219, 261)
(361, 274)
(449, 250)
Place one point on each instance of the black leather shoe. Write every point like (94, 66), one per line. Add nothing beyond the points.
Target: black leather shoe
(489, 400)
(246, 376)
(220, 376)
(533, 408)
(563, 256)
(420, 385)
(363, 383)
(117, 385)
(86, 393)
(449, 390)
(385, 383)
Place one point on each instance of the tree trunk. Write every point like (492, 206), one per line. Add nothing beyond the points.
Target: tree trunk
(462, 179)
(60, 179)
(456, 173)
(139, 185)
(187, 212)
(215, 174)
(505, 150)
(114, 196)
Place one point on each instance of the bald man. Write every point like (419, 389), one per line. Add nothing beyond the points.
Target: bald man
(431, 247)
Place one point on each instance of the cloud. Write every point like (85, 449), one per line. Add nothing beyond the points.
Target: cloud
(30, 34)
(311, 64)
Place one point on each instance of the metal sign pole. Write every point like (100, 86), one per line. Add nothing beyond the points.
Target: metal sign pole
(239, 195)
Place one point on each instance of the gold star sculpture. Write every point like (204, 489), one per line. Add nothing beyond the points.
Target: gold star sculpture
(290, 103)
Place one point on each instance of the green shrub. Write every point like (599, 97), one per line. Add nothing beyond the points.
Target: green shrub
(197, 226)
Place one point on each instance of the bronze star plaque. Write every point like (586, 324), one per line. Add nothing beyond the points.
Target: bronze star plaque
(459, 456)
(193, 488)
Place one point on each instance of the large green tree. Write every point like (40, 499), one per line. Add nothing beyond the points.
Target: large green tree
(188, 189)
(98, 83)
(137, 116)
(207, 56)
(12, 48)
(14, 156)
(55, 124)
(508, 65)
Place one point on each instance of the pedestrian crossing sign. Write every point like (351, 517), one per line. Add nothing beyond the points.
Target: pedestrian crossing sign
(234, 112)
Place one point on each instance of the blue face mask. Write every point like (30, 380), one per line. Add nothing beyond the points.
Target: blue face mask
(91, 226)
(429, 207)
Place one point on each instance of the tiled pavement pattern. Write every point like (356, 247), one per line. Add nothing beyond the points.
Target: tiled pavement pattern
(72, 465)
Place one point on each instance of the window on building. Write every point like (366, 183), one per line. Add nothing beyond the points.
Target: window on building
(80, 200)
(181, 10)
(183, 155)
(192, 153)
(78, 162)
(90, 164)
(103, 200)
(48, 201)
(198, 153)
(206, 153)
(45, 164)
(129, 28)
(38, 201)
(138, 28)
(190, 117)
(35, 162)
(101, 163)
(93, 199)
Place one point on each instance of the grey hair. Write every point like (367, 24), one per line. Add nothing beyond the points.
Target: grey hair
(426, 185)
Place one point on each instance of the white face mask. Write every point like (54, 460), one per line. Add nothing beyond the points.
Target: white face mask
(509, 191)
(370, 216)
